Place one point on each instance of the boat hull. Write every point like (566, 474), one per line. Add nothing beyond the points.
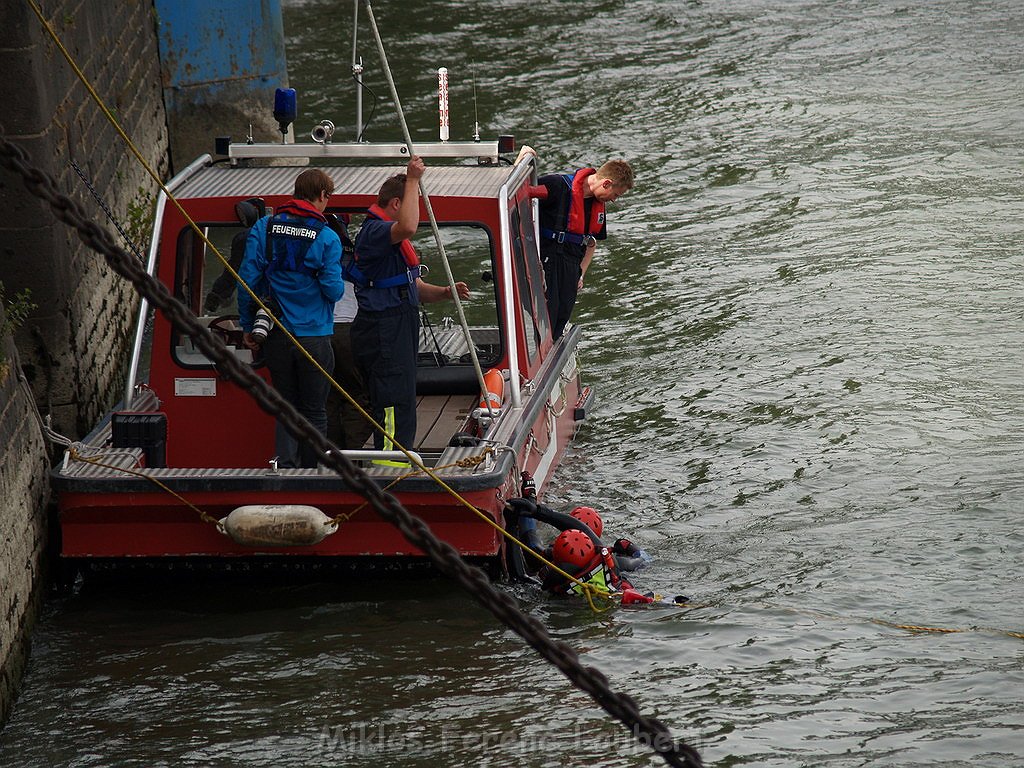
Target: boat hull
(156, 524)
(111, 513)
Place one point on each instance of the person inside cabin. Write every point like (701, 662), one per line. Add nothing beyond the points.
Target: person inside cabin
(347, 428)
(572, 220)
(385, 331)
(223, 288)
(292, 262)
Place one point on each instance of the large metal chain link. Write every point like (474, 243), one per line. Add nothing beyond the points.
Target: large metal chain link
(647, 730)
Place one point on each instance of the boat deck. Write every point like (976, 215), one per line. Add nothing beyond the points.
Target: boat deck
(438, 418)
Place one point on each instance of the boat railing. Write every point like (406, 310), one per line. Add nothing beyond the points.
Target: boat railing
(488, 150)
(154, 249)
(525, 168)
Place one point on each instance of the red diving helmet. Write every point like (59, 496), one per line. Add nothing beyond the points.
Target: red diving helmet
(589, 517)
(574, 548)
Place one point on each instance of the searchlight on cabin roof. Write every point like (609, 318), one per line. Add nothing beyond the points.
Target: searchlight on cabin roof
(322, 132)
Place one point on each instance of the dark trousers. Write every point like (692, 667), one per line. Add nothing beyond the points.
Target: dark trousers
(302, 385)
(385, 345)
(347, 428)
(561, 280)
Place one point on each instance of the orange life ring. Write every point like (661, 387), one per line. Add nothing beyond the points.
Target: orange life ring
(494, 390)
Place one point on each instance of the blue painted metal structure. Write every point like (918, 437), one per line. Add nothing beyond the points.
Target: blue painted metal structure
(220, 62)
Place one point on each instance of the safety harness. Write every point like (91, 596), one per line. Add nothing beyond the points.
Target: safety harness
(602, 571)
(353, 274)
(290, 233)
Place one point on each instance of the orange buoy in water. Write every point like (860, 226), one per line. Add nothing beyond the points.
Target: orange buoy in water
(494, 384)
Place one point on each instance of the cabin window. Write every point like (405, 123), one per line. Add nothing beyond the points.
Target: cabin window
(210, 291)
(525, 294)
(202, 283)
(531, 276)
(444, 362)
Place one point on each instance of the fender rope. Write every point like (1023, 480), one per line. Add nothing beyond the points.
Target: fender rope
(648, 731)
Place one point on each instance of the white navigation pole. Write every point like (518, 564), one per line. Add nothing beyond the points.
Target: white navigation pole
(426, 204)
(442, 101)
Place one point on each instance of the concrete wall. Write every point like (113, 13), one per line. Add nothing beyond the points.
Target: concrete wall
(74, 347)
(221, 62)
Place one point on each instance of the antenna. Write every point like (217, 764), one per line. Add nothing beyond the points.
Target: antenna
(357, 72)
(476, 112)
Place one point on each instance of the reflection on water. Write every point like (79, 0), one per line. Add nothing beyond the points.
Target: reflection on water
(806, 336)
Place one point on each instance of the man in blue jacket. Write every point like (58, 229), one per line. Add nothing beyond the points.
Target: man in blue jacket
(293, 263)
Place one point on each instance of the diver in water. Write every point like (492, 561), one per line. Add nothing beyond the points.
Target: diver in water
(580, 553)
(628, 556)
(577, 551)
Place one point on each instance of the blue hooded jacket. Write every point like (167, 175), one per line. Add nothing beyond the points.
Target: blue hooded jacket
(305, 297)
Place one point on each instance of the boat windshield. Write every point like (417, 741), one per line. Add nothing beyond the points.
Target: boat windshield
(210, 290)
(469, 252)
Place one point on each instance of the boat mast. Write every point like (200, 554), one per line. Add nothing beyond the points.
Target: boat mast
(476, 109)
(357, 72)
(442, 103)
(430, 210)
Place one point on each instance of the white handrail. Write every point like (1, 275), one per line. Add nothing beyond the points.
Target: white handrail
(448, 149)
(154, 248)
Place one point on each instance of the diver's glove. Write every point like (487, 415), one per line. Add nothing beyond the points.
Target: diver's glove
(626, 548)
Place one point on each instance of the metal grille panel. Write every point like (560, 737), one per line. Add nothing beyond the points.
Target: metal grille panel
(443, 181)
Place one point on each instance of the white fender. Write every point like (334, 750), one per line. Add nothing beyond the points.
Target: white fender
(277, 525)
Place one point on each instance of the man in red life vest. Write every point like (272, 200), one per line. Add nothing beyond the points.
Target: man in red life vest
(385, 332)
(572, 220)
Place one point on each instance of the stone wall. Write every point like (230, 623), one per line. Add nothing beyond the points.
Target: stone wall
(24, 487)
(73, 348)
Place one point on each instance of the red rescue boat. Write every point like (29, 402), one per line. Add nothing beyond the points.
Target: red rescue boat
(186, 447)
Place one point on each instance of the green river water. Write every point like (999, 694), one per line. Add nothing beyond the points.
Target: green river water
(805, 332)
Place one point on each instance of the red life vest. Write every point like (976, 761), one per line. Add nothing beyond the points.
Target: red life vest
(298, 207)
(576, 223)
(412, 259)
(571, 213)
